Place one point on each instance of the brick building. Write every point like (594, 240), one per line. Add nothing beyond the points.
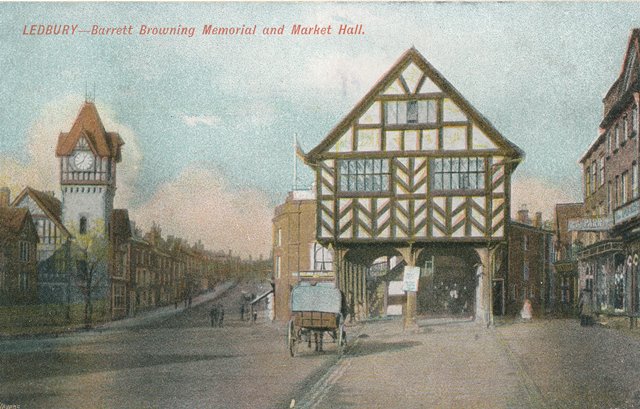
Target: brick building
(530, 266)
(569, 242)
(608, 264)
(18, 259)
(297, 256)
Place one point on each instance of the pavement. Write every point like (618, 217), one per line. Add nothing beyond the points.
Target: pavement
(441, 363)
(166, 311)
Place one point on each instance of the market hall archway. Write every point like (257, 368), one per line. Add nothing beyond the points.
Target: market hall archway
(448, 280)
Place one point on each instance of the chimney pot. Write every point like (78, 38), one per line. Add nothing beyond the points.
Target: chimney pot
(5, 196)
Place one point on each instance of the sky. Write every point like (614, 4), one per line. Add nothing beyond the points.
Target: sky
(208, 121)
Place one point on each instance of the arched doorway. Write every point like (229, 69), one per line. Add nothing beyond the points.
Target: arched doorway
(448, 281)
(364, 279)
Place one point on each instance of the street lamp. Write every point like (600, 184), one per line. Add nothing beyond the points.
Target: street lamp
(504, 233)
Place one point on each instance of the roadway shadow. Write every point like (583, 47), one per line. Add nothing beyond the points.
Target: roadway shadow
(68, 364)
(364, 348)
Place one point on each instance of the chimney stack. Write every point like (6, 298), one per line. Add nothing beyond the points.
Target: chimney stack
(5, 196)
(538, 220)
(523, 215)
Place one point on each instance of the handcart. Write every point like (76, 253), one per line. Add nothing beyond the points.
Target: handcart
(316, 309)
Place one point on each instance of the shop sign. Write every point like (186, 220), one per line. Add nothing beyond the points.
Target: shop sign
(590, 224)
(627, 212)
(410, 278)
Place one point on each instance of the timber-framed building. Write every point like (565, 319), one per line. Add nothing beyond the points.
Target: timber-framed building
(414, 172)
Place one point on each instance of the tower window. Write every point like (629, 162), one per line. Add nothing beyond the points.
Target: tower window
(83, 225)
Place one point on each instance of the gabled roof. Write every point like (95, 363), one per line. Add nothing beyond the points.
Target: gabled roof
(621, 91)
(413, 56)
(89, 125)
(51, 206)
(13, 220)
(627, 82)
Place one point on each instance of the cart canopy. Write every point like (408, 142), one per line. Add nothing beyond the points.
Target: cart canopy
(317, 297)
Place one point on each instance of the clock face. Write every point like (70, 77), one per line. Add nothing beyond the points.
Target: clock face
(83, 160)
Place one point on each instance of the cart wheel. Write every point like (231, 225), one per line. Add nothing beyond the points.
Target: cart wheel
(291, 339)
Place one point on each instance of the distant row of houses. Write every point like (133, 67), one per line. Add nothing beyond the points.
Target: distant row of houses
(414, 176)
(80, 248)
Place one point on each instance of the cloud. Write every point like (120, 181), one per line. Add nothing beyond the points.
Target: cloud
(200, 204)
(41, 168)
(351, 75)
(539, 196)
(195, 120)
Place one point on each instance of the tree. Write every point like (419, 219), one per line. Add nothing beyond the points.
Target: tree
(89, 255)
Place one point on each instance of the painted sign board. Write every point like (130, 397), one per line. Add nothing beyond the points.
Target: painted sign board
(590, 224)
(410, 278)
(627, 212)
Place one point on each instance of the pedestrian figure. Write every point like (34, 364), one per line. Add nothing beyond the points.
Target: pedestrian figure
(255, 315)
(527, 311)
(190, 299)
(221, 315)
(242, 312)
(586, 309)
(214, 314)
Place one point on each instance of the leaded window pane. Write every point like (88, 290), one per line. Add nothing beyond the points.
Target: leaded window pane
(455, 162)
(437, 165)
(384, 185)
(457, 173)
(464, 164)
(364, 175)
(446, 180)
(376, 166)
(344, 183)
(473, 164)
(437, 181)
(412, 112)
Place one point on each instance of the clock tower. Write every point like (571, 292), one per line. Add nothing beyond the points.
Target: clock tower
(88, 157)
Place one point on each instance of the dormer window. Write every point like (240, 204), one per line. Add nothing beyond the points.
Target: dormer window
(410, 112)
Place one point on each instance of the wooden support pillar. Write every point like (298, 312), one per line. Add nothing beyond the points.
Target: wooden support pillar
(365, 307)
(410, 311)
